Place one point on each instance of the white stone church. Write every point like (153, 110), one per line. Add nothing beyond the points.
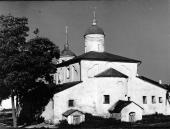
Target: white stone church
(102, 84)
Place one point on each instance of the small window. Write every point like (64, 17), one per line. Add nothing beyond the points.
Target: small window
(68, 73)
(71, 103)
(160, 100)
(106, 99)
(144, 100)
(153, 99)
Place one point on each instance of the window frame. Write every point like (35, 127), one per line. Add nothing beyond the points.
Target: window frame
(106, 99)
(160, 100)
(71, 103)
(153, 100)
(144, 99)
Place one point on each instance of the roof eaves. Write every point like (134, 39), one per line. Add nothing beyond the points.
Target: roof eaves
(64, 86)
(152, 82)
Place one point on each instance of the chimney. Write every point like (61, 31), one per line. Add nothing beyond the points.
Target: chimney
(160, 81)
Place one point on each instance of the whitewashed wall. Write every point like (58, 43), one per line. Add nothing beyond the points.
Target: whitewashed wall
(88, 96)
(114, 87)
(68, 73)
(138, 88)
(84, 96)
(92, 68)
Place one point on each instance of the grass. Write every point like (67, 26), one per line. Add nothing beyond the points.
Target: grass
(148, 122)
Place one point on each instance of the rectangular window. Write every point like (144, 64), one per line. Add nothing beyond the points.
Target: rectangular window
(106, 99)
(71, 103)
(160, 100)
(144, 100)
(68, 72)
(153, 99)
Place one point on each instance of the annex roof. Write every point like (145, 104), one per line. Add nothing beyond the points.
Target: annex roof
(98, 56)
(120, 105)
(71, 111)
(64, 86)
(164, 86)
(111, 73)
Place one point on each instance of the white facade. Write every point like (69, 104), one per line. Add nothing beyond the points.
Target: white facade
(95, 95)
(88, 95)
(139, 88)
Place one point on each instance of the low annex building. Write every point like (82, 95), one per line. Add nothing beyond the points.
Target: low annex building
(74, 116)
(127, 111)
(102, 84)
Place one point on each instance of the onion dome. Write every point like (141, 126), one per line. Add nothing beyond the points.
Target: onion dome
(67, 52)
(94, 28)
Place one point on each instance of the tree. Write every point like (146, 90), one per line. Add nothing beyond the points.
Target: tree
(37, 55)
(13, 32)
(24, 66)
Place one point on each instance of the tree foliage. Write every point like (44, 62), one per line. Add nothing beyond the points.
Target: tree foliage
(38, 54)
(25, 67)
(13, 32)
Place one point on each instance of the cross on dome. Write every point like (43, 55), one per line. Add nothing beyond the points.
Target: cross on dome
(94, 17)
(66, 51)
(66, 44)
(94, 28)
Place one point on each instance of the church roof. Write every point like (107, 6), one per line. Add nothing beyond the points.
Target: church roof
(120, 105)
(111, 73)
(64, 86)
(164, 86)
(98, 56)
(71, 111)
(94, 29)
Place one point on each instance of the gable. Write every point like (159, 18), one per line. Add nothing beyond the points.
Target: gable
(72, 112)
(111, 73)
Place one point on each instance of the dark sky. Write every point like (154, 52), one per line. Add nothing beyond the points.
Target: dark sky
(138, 29)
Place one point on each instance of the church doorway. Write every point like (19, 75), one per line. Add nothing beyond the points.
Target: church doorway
(132, 117)
(76, 119)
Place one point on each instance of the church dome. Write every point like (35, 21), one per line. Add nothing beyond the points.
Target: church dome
(94, 29)
(67, 52)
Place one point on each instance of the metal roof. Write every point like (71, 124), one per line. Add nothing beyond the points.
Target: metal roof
(98, 56)
(71, 111)
(94, 29)
(120, 105)
(111, 73)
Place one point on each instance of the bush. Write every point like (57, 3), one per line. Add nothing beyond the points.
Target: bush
(63, 124)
